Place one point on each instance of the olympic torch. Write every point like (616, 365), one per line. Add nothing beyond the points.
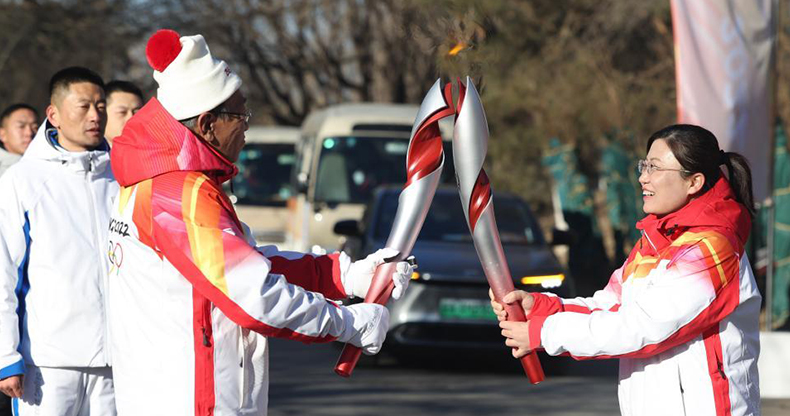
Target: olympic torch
(424, 162)
(470, 145)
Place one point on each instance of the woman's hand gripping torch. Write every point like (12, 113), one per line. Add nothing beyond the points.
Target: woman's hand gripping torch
(424, 162)
(470, 145)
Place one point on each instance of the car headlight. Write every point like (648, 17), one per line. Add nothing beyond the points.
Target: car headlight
(547, 281)
(318, 250)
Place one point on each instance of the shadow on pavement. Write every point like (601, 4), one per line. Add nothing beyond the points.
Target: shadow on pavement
(492, 362)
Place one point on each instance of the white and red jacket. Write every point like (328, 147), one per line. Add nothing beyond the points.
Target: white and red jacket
(681, 315)
(192, 301)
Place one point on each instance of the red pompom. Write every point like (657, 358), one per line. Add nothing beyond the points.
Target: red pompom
(162, 48)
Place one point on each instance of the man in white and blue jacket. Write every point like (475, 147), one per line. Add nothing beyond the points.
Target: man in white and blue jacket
(54, 212)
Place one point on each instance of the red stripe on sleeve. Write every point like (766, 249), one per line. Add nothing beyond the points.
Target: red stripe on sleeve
(317, 274)
(568, 307)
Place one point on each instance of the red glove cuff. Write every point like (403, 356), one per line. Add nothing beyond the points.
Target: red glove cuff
(544, 305)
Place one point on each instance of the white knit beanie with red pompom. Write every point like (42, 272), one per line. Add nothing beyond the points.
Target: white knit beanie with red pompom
(190, 80)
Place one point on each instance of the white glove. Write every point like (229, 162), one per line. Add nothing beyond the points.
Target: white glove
(366, 326)
(357, 279)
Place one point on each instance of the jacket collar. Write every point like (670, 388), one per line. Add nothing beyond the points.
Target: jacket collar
(44, 146)
(154, 143)
(715, 209)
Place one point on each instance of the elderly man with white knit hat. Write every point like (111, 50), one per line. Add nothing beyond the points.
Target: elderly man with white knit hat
(192, 299)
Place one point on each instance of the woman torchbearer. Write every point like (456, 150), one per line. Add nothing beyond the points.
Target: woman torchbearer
(682, 312)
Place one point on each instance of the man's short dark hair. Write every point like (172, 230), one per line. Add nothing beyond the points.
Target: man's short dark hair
(63, 79)
(122, 86)
(13, 108)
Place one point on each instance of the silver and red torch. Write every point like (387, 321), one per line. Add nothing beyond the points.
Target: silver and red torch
(424, 162)
(470, 145)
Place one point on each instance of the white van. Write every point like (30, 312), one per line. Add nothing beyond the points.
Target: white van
(263, 186)
(344, 153)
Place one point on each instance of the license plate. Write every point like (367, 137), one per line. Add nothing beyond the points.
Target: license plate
(473, 309)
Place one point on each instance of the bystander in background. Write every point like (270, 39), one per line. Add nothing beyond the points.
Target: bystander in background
(18, 124)
(123, 101)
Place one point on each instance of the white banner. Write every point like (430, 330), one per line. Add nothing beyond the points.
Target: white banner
(723, 60)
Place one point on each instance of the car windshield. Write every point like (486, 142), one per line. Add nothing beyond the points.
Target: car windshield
(446, 221)
(350, 168)
(264, 174)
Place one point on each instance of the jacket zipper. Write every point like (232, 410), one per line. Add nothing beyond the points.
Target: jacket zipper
(243, 369)
(206, 342)
(649, 241)
(97, 240)
(205, 310)
(204, 370)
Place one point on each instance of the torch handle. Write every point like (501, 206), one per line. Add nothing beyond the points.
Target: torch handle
(348, 360)
(515, 313)
(532, 367)
(380, 290)
(530, 361)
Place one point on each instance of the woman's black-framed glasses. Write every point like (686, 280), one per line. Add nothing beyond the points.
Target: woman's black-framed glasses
(645, 166)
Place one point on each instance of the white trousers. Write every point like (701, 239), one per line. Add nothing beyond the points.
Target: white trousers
(80, 391)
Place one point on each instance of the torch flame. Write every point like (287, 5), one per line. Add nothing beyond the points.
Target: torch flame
(457, 48)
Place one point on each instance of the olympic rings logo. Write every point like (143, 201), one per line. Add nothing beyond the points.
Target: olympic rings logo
(115, 254)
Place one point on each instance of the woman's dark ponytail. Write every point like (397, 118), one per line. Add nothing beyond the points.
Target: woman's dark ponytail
(740, 179)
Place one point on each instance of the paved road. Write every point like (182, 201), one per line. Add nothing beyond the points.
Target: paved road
(303, 384)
